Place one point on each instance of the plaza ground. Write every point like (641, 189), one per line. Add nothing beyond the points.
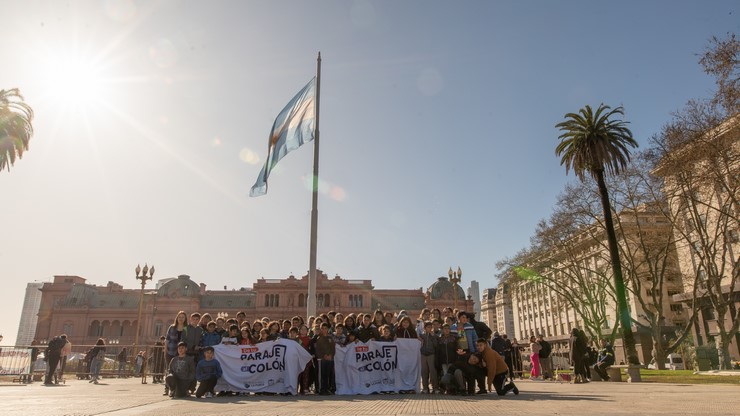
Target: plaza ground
(124, 397)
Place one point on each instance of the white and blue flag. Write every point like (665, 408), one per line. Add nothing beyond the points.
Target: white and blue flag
(293, 127)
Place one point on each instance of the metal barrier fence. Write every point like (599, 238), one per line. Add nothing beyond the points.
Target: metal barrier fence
(148, 361)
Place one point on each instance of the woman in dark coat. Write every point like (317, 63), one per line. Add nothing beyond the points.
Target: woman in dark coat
(577, 355)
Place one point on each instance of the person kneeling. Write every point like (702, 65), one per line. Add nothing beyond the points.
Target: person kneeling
(496, 368)
(207, 372)
(181, 372)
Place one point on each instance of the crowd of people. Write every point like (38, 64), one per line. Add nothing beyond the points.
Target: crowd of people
(457, 353)
(455, 350)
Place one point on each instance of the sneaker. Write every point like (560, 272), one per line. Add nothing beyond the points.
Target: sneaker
(425, 391)
(515, 390)
(208, 395)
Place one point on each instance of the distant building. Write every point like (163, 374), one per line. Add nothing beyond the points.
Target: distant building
(474, 292)
(504, 310)
(29, 314)
(488, 309)
(86, 312)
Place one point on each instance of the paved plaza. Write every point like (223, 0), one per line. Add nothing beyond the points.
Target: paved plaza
(115, 397)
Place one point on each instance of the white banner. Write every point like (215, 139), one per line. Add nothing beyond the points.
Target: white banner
(15, 361)
(364, 368)
(266, 367)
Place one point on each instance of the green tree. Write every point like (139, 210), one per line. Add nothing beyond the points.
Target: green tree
(15, 127)
(592, 144)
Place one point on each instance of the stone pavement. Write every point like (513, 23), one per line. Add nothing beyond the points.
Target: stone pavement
(114, 397)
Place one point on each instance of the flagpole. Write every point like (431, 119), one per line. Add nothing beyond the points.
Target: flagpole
(312, 278)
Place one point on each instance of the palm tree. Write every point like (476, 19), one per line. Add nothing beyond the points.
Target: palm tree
(15, 127)
(591, 144)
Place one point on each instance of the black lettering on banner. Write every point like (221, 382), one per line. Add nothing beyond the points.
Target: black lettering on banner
(384, 358)
(267, 360)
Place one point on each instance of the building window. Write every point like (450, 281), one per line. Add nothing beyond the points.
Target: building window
(676, 307)
(320, 302)
(326, 300)
(301, 300)
(277, 301)
(68, 328)
(267, 301)
(157, 329)
(359, 301)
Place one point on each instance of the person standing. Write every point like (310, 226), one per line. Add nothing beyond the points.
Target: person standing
(66, 352)
(34, 357)
(545, 360)
(577, 354)
(98, 358)
(534, 357)
(52, 356)
(466, 335)
(325, 349)
(158, 360)
(429, 343)
(122, 358)
(175, 334)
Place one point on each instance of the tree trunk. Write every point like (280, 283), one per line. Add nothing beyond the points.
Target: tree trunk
(723, 352)
(623, 312)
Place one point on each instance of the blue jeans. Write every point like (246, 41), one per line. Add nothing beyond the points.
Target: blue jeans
(95, 368)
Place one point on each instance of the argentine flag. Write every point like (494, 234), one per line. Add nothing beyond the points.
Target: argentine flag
(293, 127)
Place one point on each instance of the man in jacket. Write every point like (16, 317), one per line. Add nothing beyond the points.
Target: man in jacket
(325, 349)
(606, 359)
(496, 369)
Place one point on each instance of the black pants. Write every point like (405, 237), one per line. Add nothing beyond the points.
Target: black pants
(507, 360)
(499, 383)
(325, 377)
(52, 363)
(206, 386)
(179, 387)
(601, 369)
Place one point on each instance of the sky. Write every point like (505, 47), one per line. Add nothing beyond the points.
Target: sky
(436, 127)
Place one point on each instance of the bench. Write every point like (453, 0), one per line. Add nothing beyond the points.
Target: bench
(632, 372)
(615, 372)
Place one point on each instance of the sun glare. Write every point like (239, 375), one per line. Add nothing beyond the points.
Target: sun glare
(72, 83)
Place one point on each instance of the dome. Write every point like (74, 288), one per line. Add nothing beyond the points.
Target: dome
(180, 287)
(443, 289)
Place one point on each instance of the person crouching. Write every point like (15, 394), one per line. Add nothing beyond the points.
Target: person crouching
(496, 368)
(207, 372)
(181, 372)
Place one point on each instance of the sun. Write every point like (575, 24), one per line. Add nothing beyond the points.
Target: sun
(73, 82)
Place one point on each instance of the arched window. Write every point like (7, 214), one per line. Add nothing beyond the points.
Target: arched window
(301, 300)
(326, 299)
(94, 329)
(321, 300)
(68, 328)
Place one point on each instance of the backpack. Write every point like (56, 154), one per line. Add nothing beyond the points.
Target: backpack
(546, 349)
(482, 330)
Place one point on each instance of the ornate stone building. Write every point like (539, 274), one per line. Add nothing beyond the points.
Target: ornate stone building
(86, 312)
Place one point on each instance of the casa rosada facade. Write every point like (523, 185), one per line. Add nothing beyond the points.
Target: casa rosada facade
(86, 312)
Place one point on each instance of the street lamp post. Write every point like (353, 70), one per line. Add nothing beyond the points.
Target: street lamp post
(455, 278)
(145, 274)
